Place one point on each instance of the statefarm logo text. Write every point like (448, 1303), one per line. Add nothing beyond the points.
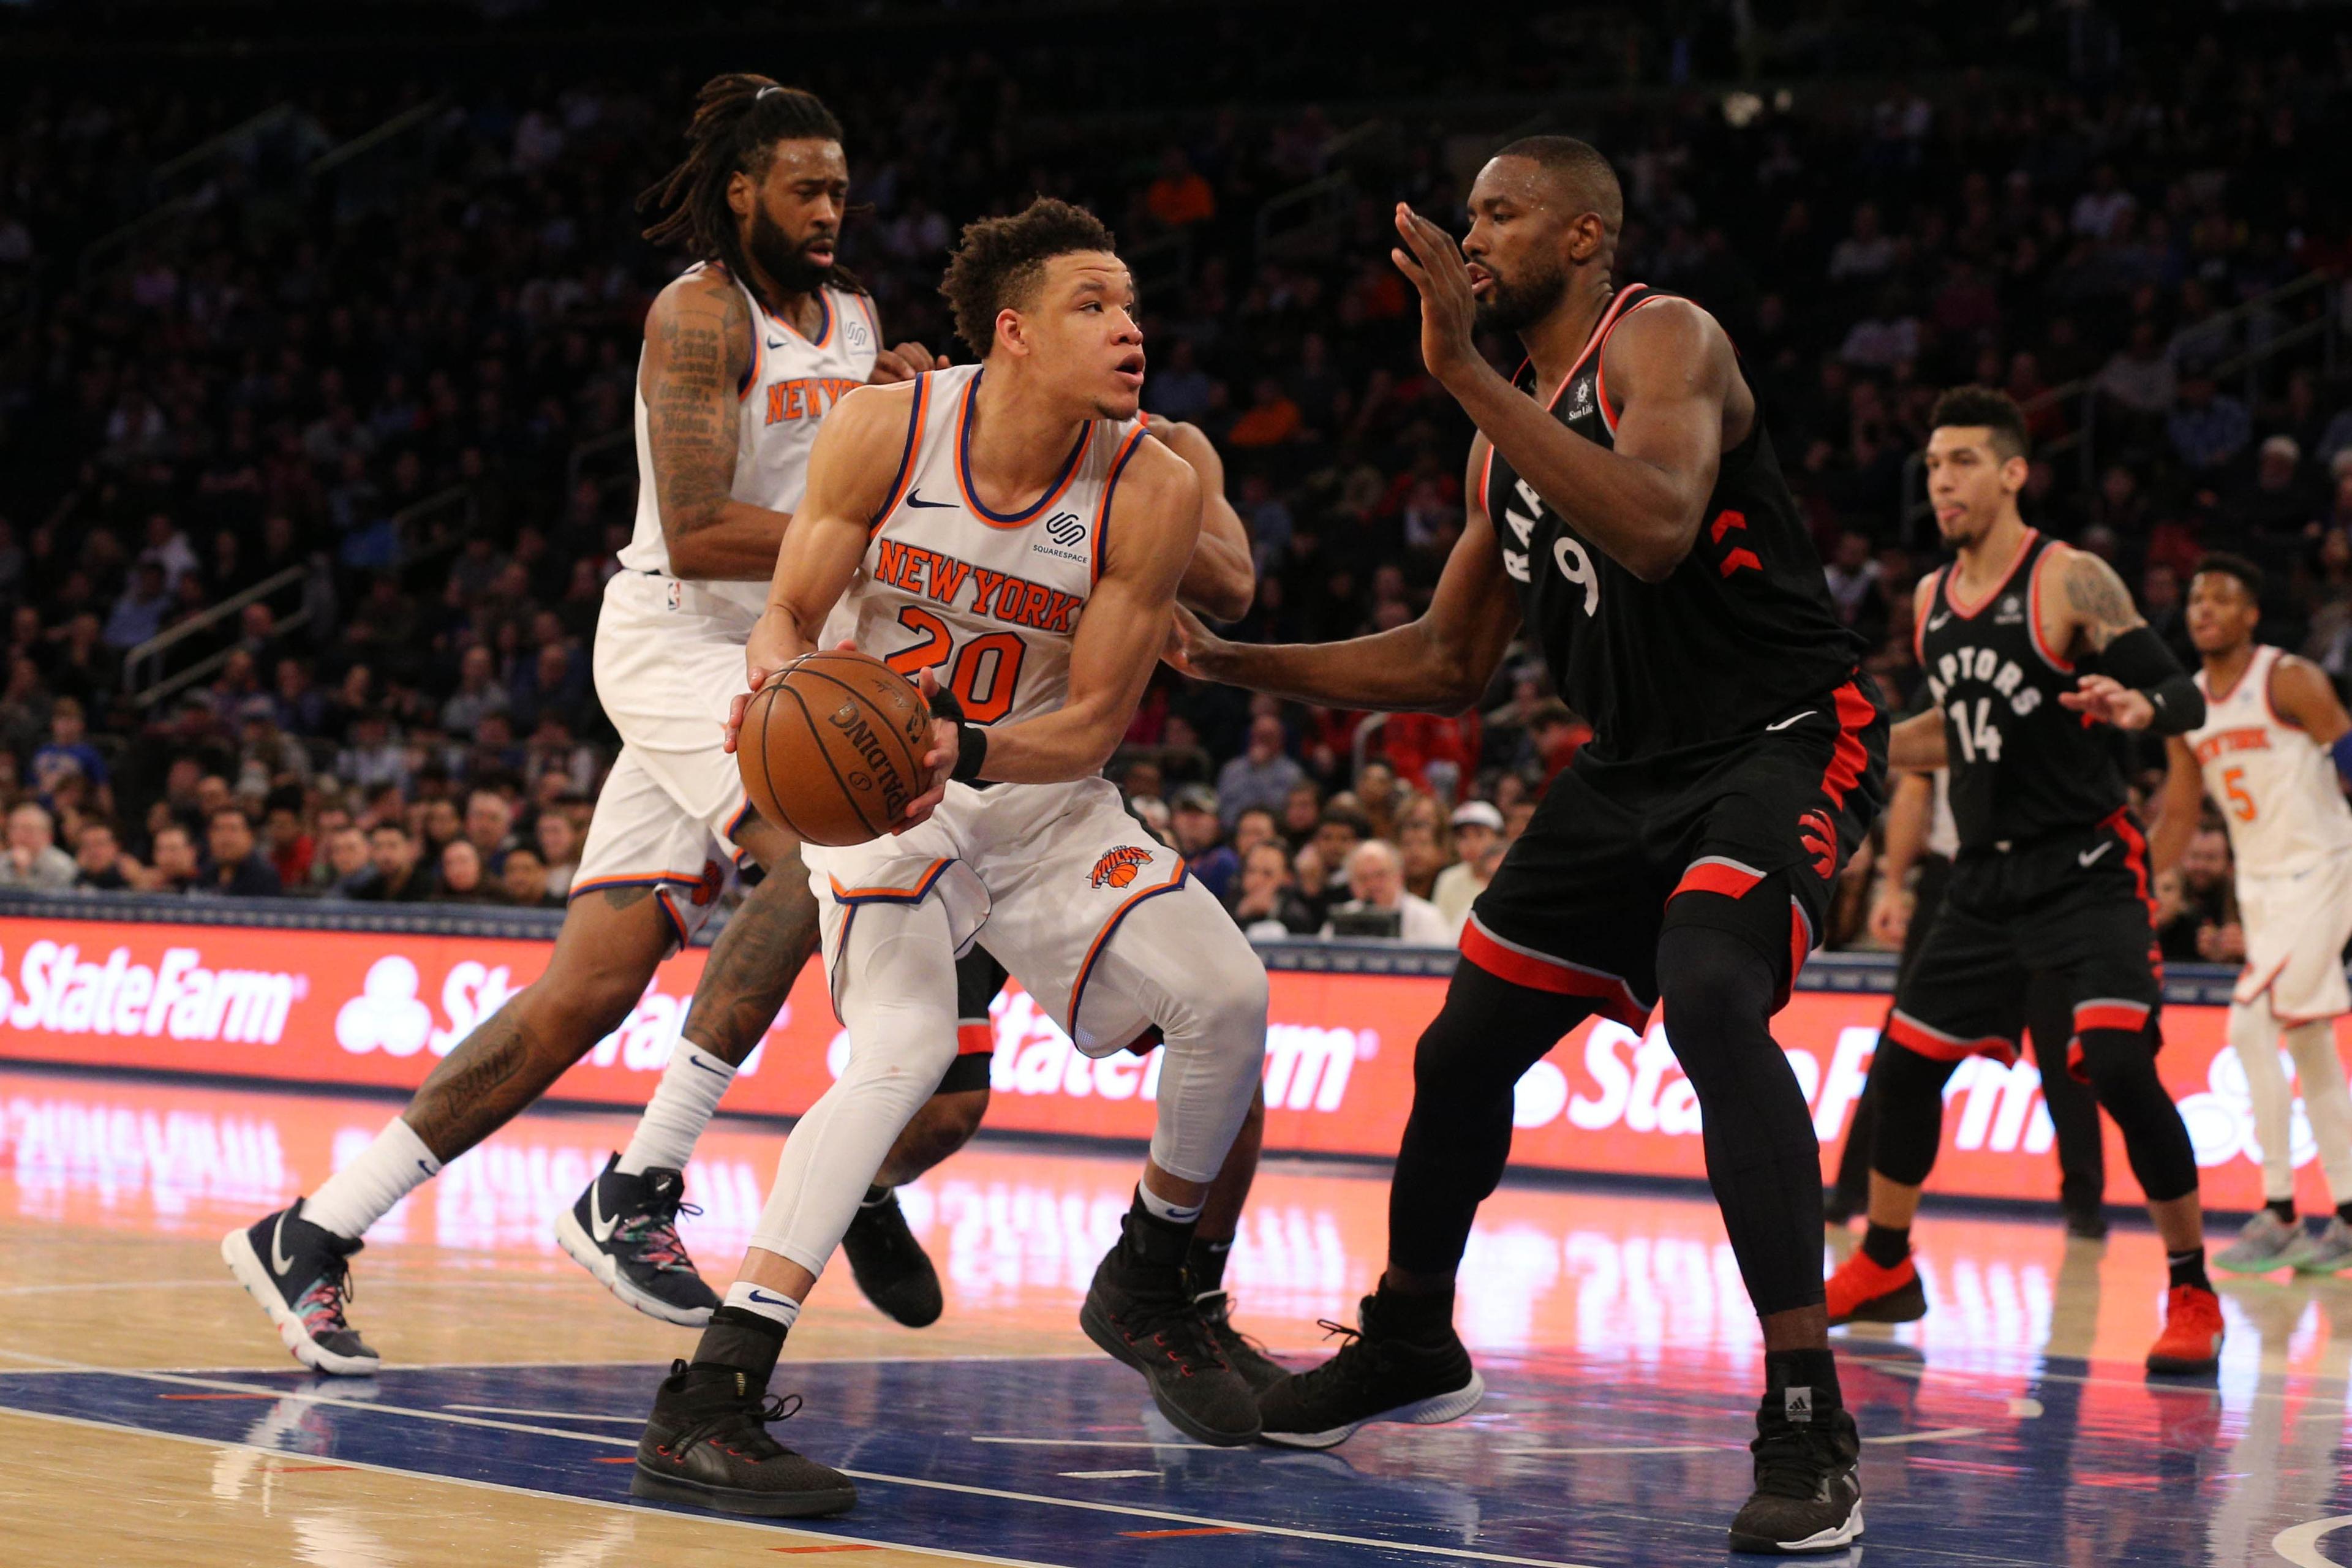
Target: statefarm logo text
(57, 989)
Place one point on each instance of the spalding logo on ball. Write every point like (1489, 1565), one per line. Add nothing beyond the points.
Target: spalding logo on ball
(832, 748)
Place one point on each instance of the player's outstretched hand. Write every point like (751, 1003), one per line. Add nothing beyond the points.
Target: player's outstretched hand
(937, 763)
(2103, 699)
(1449, 311)
(1190, 645)
(905, 362)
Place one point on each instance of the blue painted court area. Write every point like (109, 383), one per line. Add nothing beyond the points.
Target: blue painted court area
(1572, 1460)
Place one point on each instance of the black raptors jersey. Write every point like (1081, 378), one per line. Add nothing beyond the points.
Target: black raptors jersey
(2021, 766)
(1739, 637)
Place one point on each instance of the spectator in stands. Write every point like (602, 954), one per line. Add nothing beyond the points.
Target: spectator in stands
(347, 865)
(1477, 827)
(1420, 854)
(2139, 379)
(1180, 197)
(100, 863)
(400, 877)
(2278, 502)
(284, 838)
(1336, 833)
(1854, 587)
(1252, 828)
(234, 866)
(1200, 838)
(33, 860)
(462, 879)
(559, 850)
(2206, 926)
(438, 825)
(523, 881)
(176, 869)
(1376, 877)
(478, 693)
(138, 614)
(69, 751)
(489, 827)
(1265, 902)
(1262, 777)
(2210, 428)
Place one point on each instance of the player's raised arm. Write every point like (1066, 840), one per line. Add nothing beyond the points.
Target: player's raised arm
(1221, 579)
(698, 352)
(1439, 663)
(1149, 541)
(851, 469)
(1670, 363)
(2145, 688)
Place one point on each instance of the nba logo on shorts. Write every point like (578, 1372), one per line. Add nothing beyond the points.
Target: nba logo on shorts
(677, 591)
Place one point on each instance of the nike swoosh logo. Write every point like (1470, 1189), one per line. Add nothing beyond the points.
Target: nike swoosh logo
(769, 1301)
(279, 1261)
(1936, 623)
(1790, 720)
(775, 342)
(705, 1067)
(600, 1225)
(2088, 856)
(913, 500)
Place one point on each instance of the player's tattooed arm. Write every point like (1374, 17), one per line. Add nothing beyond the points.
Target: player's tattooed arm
(1441, 663)
(2143, 686)
(698, 350)
(2098, 607)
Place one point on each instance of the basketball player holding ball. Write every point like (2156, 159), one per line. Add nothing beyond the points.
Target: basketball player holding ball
(1010, 531)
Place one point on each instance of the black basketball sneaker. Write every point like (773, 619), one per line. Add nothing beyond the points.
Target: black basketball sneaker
(624, 1230)
(301, 1274)
(706, 1444)
(1141, 1309)
(1808, 1494)
(890, 1266)
(1377, 1376)
(1243, 1353)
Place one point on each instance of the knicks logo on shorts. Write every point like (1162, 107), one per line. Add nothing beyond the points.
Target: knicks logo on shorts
(1118, 868)
(1818, 834)
(706, 888)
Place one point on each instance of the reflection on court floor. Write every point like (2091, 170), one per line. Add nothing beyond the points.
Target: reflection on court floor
(2012, 1426)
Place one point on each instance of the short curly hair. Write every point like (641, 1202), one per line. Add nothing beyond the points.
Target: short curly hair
(998, 262)
(1995, 410)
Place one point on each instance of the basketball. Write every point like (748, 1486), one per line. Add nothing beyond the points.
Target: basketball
(832, 748)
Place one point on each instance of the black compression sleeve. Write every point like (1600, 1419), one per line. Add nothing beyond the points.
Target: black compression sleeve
(2140, 661)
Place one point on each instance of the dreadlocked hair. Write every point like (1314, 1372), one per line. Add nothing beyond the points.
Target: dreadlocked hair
(739, 117)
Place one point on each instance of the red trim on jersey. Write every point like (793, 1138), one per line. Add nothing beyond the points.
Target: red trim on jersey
(976, 1038)
(1621, 302)
(1849, 758)
(963, 468)
(2033, 615)
(1601, 370)
(1716, 874)
(2128, 1017)
(1937, 1045)
(907, 453)
(2135, 842)
(1950, 586)
(1800, 947)
(1540, 972)
(1102, 509)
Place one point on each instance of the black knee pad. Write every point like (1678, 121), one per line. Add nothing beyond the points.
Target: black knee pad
(1910, 1111)
(2121, 1064)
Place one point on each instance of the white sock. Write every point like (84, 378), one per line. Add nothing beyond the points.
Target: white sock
(387, 1171)
(1159, 1207)
(682, 1106)
(774, 1305)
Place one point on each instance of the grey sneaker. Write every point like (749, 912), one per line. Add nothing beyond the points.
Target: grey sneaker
(2265, 1242)
(2329, 1252)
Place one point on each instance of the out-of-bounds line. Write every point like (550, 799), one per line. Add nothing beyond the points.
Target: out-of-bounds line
(1103, 1443)
(2299, 1544)
(545, 1415)
(948, 1554)
(1454, 1553)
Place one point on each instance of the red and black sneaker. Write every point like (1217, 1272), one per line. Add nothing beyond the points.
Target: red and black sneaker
(2191, 1341)
(1144, 1314)
(706, 1444)
(1864, 1291)
(301, 1274)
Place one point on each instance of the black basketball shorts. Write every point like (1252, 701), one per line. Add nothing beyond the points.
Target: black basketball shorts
(1751, 844)
(2074, 906)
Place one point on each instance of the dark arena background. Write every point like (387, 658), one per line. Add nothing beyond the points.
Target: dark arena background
(321, 331)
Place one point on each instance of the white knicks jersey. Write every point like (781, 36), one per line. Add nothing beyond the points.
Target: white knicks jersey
(987, 600)
(795, 380)
(2276, 787)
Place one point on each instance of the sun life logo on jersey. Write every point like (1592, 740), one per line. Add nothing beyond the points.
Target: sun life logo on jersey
(1118, 867)
(1581, 404)
(2010, 614)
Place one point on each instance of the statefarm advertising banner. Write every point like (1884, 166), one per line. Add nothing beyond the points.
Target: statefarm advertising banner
(348, 1008)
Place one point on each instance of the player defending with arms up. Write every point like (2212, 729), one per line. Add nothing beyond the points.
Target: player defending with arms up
(1011, 531)
(1627, 508)
(2052, 877)
(2274, 744)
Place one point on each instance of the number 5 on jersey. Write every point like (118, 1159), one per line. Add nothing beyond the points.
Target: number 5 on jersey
(985, 671)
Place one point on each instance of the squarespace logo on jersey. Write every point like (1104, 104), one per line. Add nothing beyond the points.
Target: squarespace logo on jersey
(59, 990)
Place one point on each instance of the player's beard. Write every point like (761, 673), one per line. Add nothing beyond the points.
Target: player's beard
(787, 265)
(1515, 304)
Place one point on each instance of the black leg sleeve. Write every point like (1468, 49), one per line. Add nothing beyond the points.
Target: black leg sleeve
(1762, 1158)
(1910, 1111)
(2073, 1110)
(2123, 1075)
(1458, 1138)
